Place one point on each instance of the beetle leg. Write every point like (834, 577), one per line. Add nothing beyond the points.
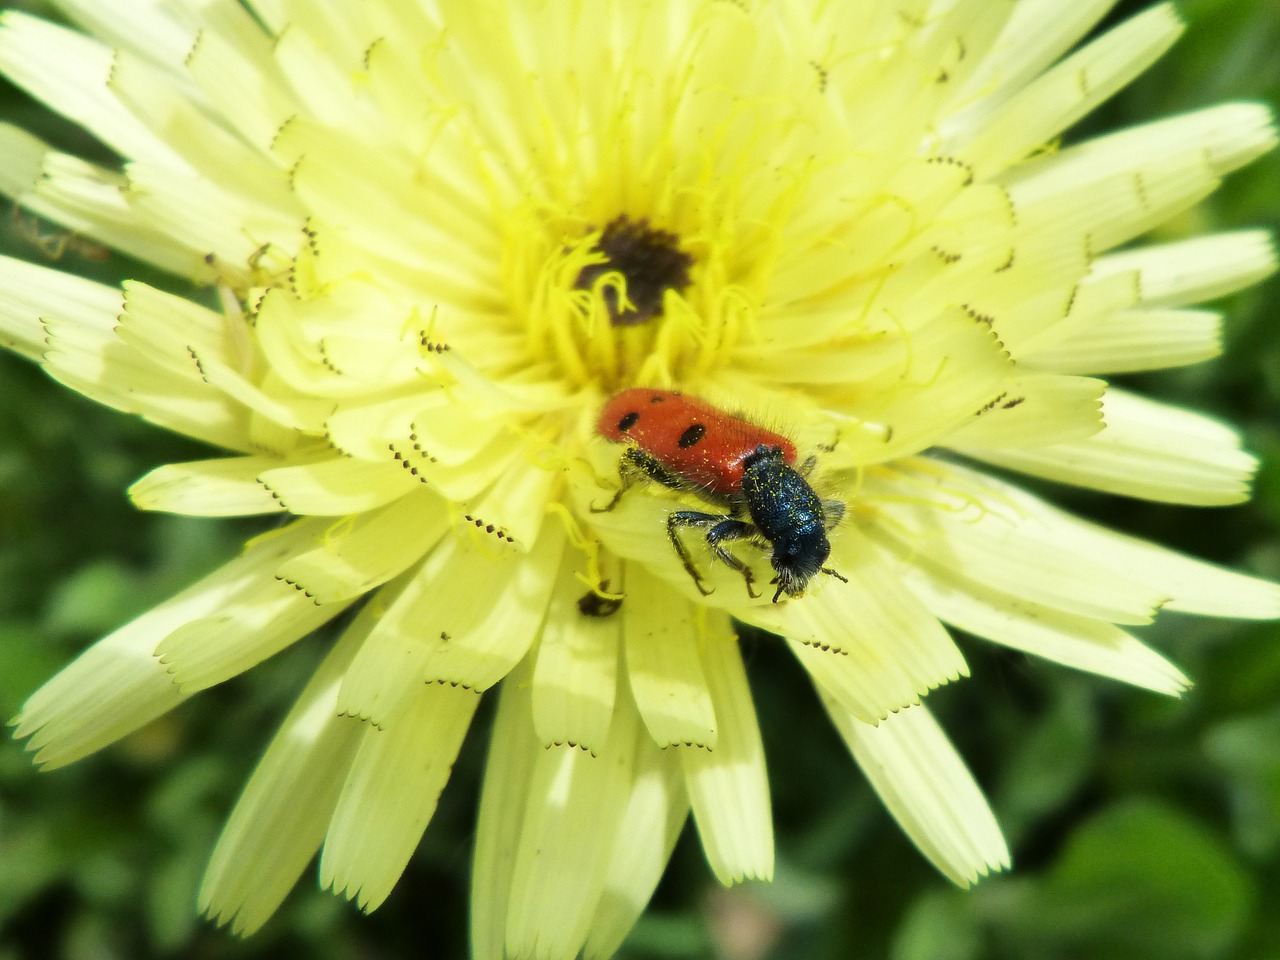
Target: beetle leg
(832, 513)
(731, 529)
(690, 518)
(634, 466)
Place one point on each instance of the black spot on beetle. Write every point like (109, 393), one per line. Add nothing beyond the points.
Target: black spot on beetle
(691, 436)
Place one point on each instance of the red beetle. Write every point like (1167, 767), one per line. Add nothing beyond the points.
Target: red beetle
(688, 444)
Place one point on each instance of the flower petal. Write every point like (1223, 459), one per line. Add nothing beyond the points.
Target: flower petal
(663, 667)
(1129, 341)
(919, 386)
(1149, 450)
(336, 486)
(119, 684)
(359, 553)
(69, 323)
(95, 364)
(656, 811)
(1193, 271)
(396, 778)
(69, 71)
(514, 752)
(575, 679)
(869, 642)
(260, 618)
(1190, 585)
(1078, 642)
(1066, 92)
(1133, 161)
(727, 785)
(144, 26)
(547, 831)
(466, 617)
(1036, 34)
(347, 184)
(954, 517)
(280, 818)
(222, 487)
(1036, 410)
(238, 77)
(29, 293)
(928, 789)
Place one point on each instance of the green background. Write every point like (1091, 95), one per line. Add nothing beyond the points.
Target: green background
(1141, 826)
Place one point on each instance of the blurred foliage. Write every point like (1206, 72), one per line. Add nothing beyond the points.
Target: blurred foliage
(1141, 827)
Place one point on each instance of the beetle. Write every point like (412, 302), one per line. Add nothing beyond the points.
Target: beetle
(689, 444)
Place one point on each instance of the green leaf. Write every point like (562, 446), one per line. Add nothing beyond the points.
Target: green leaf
(1050, 762)
(939, 926)
(1248, 752)
(1141, 879)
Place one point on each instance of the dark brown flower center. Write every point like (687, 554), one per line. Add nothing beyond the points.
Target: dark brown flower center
(650, 259)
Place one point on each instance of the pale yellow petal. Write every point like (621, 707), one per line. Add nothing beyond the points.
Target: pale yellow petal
(390, 794)
(68, 71)
(82, 198)
(514, 753)
(29, 293)
(465, 481)
(575, 804)
(663, 667)
(517, 503)
(357, 554)
(1073, 641)
(728, 786)
(916, 388)
(1193, 271)
(294, 411)
(92, 200)
(319, 68)
(1128, 342)
(1048, 105)
(1036, 410)
(262, 617)
(346, 182)
(869, 641)
(952, 517)
(1228, 135)
(280, 818)
(120, 684)
(208, 147)
(1190, 585)
(576, 676)
(1036, 34)
(224, 487)
(928, 789)
(148, 27)
(1117, 204)
(336, 486)
(466, 617)
(240, 85)
(656, 811)
(201, 217)
(80, 346)
(111, 689)
(1149, 450)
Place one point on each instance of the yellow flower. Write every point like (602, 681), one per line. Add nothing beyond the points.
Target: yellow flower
(439, 235)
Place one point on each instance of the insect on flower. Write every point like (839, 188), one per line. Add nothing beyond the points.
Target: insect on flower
(688, 444)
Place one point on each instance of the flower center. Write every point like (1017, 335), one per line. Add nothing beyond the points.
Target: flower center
(650, 262)
(624, 304)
